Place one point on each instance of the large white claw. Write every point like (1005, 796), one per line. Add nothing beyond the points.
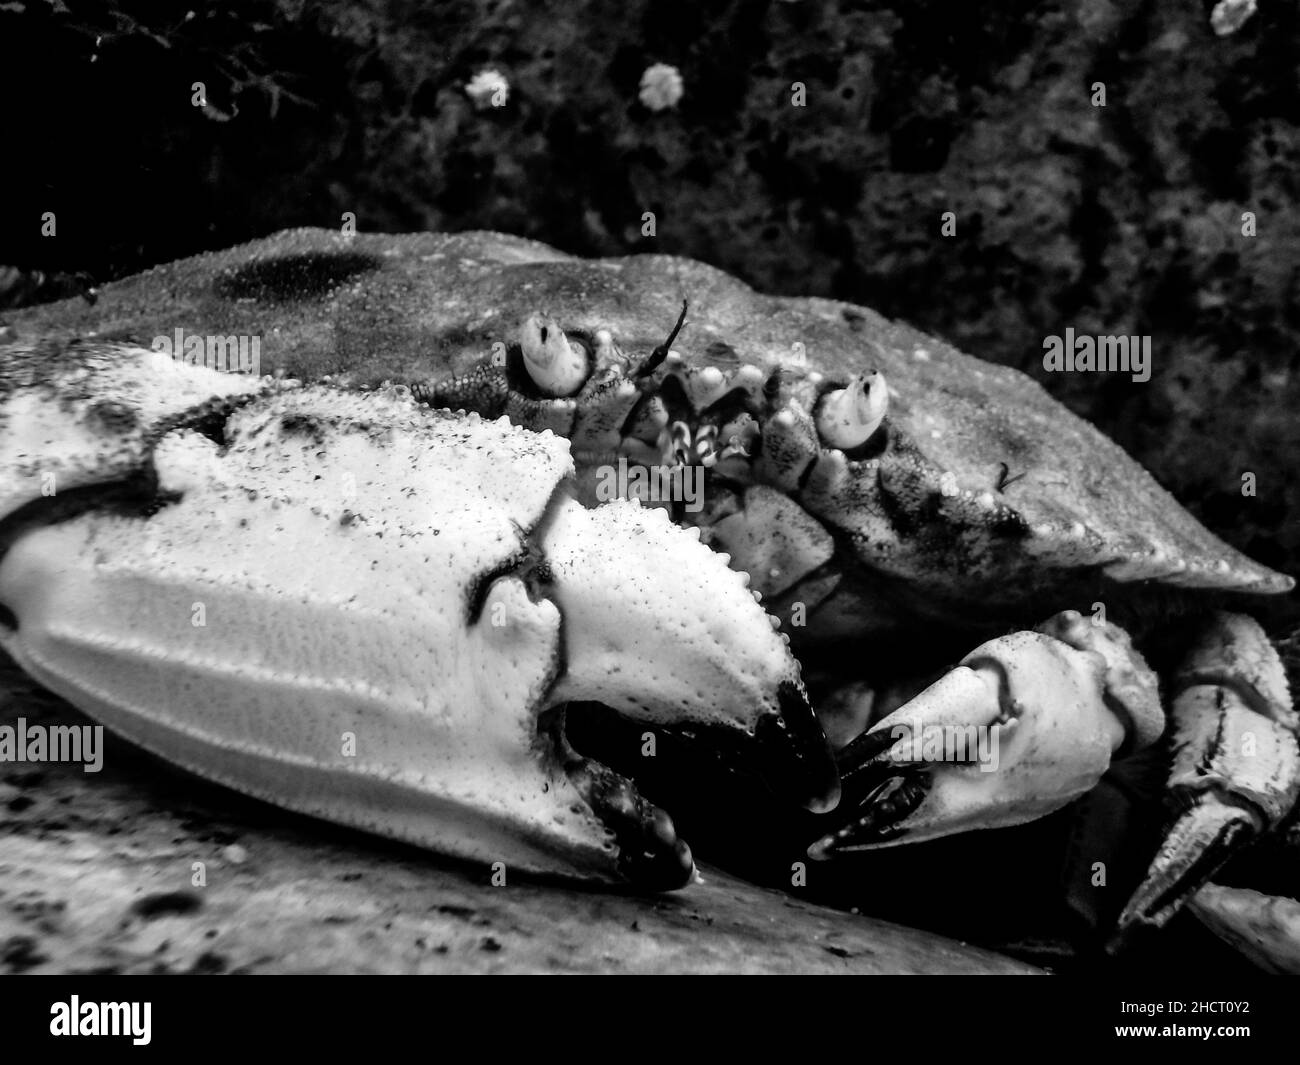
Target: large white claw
(86, 415)
(300, 624)
(1026, 723)
(342, 603)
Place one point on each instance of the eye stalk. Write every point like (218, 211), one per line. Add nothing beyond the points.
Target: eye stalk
(557, 365)
(848, 416)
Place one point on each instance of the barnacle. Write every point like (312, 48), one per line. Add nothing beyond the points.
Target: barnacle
(488, 88)
(661, 87)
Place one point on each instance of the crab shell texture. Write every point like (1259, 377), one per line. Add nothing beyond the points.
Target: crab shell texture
(241, 574)
(981, 498)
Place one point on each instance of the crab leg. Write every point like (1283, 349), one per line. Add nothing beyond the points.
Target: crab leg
(1236, 770)
(1264, 928)
(1026, 723)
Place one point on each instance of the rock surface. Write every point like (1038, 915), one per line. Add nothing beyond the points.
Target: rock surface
(98, 874)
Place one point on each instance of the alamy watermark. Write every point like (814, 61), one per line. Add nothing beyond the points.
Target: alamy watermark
(226, 354)
(1107, 354)
(652, 484)
(953, 744)
(74, 1017)
(53, 743)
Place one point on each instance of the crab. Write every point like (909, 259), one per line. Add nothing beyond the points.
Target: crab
(995, 606)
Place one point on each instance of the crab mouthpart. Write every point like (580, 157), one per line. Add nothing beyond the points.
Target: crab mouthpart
(1016, 731)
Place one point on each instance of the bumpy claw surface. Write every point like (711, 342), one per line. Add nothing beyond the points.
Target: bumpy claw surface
(1025, 724)
(665, 642)
(346, 604)
(82, 417)
(1236, 770)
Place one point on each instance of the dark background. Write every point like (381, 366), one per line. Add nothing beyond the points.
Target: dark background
(1123, 219)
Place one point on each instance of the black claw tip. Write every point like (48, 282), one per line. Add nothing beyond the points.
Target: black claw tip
(877, 817)
(794, 758)
(650, 854)
(862, 754)
(654, 857)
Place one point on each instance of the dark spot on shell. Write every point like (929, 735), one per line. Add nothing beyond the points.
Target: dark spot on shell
(305, 425)
(171, 904)
(113, 416)
(124, 335)
(458, 339)
(855, 321)
(1009, 523)
(294, 277)
(208, 962)
(772, 386)
(207, 419)
(20, 952)
(719, 353)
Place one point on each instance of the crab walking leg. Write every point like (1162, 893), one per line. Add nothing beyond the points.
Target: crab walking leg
(1264, 928)
(1236, 770)
(1026, 723)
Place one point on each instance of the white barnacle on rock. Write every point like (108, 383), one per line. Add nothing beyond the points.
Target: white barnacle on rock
(1229, 16)
(488, 88)
(661, 86)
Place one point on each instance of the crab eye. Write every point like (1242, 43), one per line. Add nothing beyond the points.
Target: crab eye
(848, 416)
(557, 365)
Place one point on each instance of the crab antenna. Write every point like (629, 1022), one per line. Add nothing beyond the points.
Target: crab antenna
(661, 352)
